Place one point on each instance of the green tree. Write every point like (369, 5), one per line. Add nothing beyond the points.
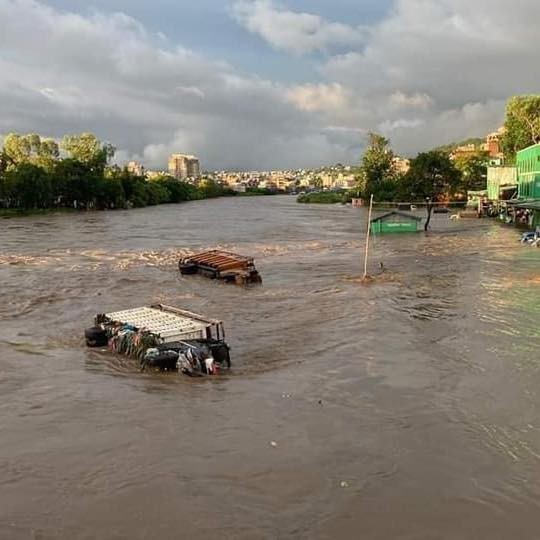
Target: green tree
(157, 193)
(48, 154)
(34, 175)
(178, 191)
(17, 149)
(111, 194)
(88, 149)
(522, 125)
(431, 175)
(29, 186)
(3, 163)
(377, 167)
(473, 171)
(30, 148)
(210, 189)
(76, 183)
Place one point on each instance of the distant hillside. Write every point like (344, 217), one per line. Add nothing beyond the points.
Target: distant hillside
(448, 148)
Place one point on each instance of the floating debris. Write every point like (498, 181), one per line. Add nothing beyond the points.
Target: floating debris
(164, 338)
(224, 265)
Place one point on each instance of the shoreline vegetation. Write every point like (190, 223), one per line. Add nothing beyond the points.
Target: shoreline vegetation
(36, 178)
(39, 174)
(25, 212)
(446, 173)
(324, 197)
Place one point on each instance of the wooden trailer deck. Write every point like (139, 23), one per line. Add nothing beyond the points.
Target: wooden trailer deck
(224, 265)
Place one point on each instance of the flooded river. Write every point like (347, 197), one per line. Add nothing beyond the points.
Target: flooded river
(405, 409)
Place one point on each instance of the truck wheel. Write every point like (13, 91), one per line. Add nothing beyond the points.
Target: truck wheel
(95, 337)
(187, 268)
(165, 360)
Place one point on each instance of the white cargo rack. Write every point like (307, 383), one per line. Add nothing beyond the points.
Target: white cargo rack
(168, 325)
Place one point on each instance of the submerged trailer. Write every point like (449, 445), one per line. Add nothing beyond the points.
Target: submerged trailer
(163, 337)
(224, 265)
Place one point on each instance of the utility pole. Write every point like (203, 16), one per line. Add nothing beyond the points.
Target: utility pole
(367, 237)
(429, 208)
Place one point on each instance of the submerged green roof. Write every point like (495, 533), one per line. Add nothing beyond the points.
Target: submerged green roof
(395, 213)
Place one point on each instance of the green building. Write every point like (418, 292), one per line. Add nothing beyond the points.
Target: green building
(528, 167)
(395, 222)
(501, 183)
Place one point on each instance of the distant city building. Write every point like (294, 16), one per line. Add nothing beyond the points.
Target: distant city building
(349, 180)
(287, 180)
(493, 144)
(327, 181)
(183, 166)
(134, 167)
(240, 188)
(468, 150)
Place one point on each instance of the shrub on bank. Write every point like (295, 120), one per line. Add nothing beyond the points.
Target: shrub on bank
(254, 191)
(77, 185)
(35, 177)
(322, 197)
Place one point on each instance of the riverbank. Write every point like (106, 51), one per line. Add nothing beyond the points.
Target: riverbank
(6, 213)
(323, 197)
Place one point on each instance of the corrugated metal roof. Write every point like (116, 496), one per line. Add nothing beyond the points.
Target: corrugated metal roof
(169, 326)
(395, 213)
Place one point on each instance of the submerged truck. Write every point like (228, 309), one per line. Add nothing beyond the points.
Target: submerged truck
(223, 265)
(163, 338)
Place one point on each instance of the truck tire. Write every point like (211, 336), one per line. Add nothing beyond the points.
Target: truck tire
(165, 360)
(187, 268)
(95, 337)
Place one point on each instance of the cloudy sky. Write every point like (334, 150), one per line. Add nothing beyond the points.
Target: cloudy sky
(257, 84)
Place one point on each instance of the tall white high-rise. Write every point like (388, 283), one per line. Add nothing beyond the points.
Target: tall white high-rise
(183, 166)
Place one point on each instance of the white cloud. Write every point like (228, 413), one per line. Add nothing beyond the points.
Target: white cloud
(454, 51)
(318, 97)
(296, 32)
(432, 66)
(64, 72)
(431, 72)
(388, 126)
(191, 91)
(416, 100)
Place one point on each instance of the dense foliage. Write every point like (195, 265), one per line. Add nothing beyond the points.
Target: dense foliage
(449, 148)
(34, 176)
(432, 175)
(377, 170)
(522, 125)
(321, 197)
(473, 170)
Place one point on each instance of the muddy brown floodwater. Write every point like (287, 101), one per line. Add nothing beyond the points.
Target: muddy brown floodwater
(405, 409)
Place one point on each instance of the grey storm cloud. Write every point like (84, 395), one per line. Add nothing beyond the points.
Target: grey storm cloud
(63, 72)
(430, 72)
